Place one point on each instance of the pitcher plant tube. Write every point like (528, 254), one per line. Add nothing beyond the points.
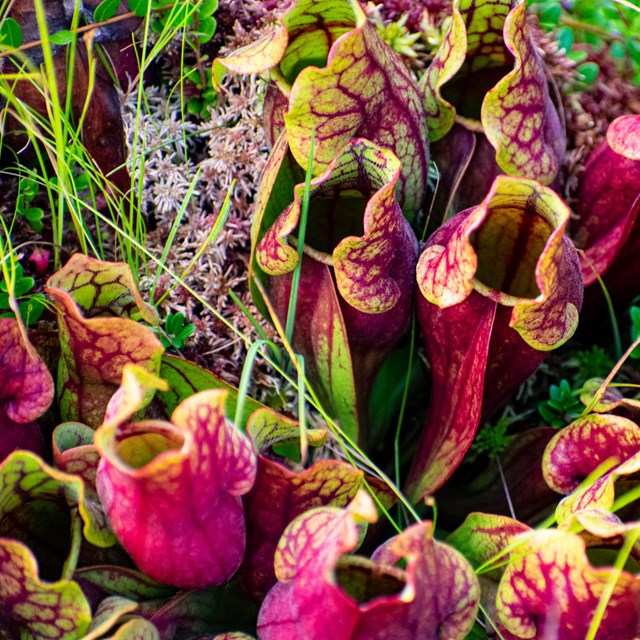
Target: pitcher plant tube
(500, 286)
(354, 298)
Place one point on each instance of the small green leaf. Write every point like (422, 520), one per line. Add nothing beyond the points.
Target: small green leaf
(194, 105)
(174, 322)
(209, 95)
(10, 33)
(21, 285)
(633, 46)
(81, 182)
(62, 37)
(31, 309)
(577, 55)
(207, 8)
(157, 25)
(562, 407)
(28, 188)
(550, 16)
(565, 38)
(176, 331)
(589, 71)
(192, 75)
(139, 7)
(105, 10)
(34, 217)
(634, 312)
(618, 50)
(206, 29)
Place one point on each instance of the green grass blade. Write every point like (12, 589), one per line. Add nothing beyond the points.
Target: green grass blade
(302, 413)
(607, 592)
(245, 379)
(302, 229)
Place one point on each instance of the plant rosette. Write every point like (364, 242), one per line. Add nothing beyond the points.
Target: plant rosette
(500, 286)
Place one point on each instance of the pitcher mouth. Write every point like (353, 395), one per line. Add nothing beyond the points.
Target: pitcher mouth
(508, 245)
(364, 581)
(143, 444)
(331, 220)
(467, 89)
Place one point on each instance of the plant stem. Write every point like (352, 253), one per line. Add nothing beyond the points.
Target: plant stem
(589, 28)
(603, 387)
(403, 404)
(80, 30)
(628, 5)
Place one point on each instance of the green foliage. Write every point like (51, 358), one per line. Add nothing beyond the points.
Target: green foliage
(397, 35)
(200, 104)
(199, 24)
(62, 37)
(388, 390)
(195, 16)
(591, 363)
(563, 405)
(10, 33)
(140, 7)
(106, 10)
(176, 331)
(31, 305)
(634, 314)
(607, 24)
(492, 439)
(27, 190)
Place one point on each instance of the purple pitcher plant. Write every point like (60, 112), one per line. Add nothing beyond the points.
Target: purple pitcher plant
(99, 311)
(436, 595)
(355, 292)
(172, 490)
(172, 521)
(488, 105)
(607, 208)
(500, 286)
(25, 394)
(333, 74)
